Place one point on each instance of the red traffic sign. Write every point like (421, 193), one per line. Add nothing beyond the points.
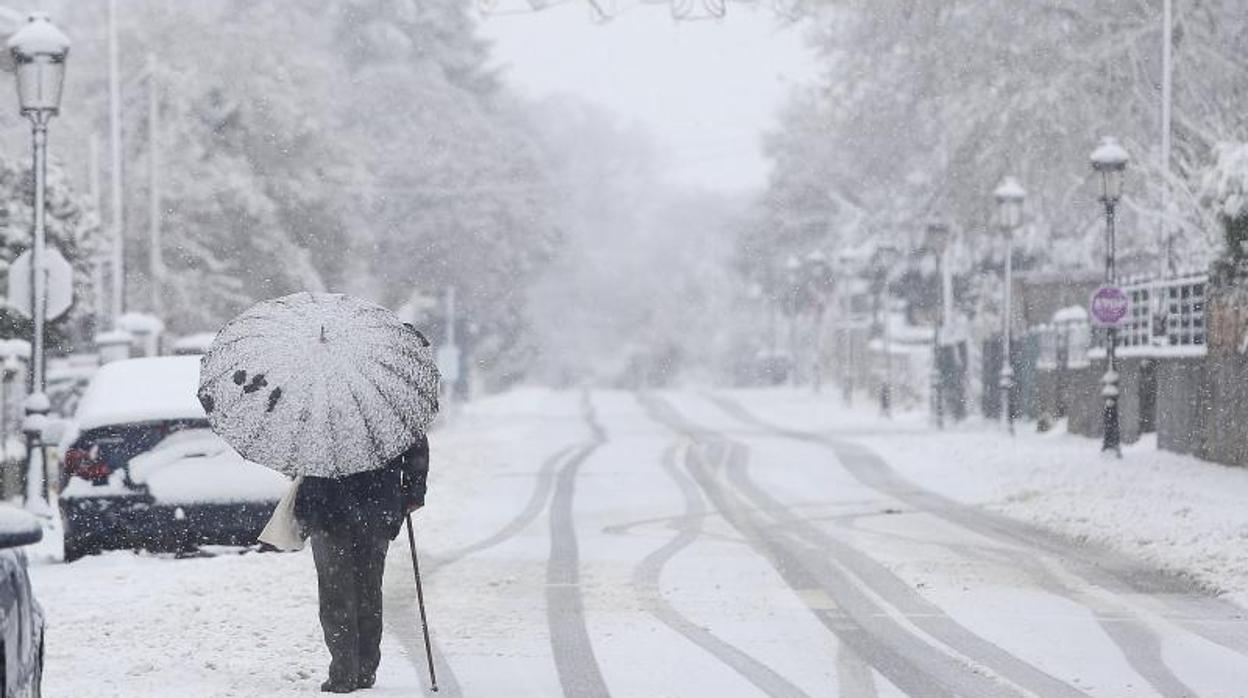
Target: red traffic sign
(1109, 306)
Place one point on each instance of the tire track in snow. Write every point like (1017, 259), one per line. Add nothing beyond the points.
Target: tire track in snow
(646, 583)
(401, 604)
(856, 643)
(532, 509)
(924, 614)
(410, 637)
(579, 674)
(1139, 643)
(958, 662)
(538, 499)
(853, 676)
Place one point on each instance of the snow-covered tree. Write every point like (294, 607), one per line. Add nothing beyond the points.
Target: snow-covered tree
(352, 145)
(1225, 192)
(72, 228)
(923, 107)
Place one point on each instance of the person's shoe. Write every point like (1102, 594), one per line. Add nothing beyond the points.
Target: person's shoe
(331, 686)
(367, 680)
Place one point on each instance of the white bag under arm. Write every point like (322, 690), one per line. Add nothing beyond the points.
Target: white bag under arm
(282, 531)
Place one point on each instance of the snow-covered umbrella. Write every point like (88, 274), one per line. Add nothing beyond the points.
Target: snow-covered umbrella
(319, 384)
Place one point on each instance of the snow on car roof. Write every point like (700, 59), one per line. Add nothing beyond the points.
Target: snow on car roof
(194, 343)
(141, 390)
(195, 466)
(14, 521)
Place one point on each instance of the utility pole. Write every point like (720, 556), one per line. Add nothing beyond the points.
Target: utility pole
(156, 258)
(1167, 74)
(448, 355)
(98, 262)
(450, 316)
(114, 123)
(93, 170)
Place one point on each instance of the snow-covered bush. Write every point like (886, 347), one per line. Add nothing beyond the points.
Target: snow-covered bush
(1224, 190)
(72, 228)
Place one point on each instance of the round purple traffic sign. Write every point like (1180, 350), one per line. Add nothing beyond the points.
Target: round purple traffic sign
(1109, 306)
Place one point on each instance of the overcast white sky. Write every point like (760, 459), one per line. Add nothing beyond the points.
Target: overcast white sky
(706, 90)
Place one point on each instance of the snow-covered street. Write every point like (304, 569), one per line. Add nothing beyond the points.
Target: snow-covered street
(695, 544)
(703, 348)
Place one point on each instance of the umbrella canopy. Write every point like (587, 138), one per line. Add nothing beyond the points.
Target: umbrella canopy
(319, 384)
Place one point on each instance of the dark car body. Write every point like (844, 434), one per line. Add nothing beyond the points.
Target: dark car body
(21, 617)
(123, 514)
(104, 506)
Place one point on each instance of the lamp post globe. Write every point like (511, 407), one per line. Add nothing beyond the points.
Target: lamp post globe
(1010, 196)
(39, 50)
(792, 265)
(1109, 160)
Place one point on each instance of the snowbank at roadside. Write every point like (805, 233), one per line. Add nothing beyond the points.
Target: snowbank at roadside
(1182, 514)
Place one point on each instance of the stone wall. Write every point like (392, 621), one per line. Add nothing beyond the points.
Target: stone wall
(1079, 390)
(1203, 407)
(1183, 399)
(1083, 400)
(1201, 403)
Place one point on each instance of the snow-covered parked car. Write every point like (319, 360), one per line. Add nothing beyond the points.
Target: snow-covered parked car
(141, 468)
(21, 617)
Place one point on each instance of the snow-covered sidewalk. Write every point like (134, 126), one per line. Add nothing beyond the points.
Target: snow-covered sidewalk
(244, 623)
(1178, 513)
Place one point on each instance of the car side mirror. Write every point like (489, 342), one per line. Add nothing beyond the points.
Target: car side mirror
(18, 527)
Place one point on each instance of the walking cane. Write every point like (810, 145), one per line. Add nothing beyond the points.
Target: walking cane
(420, 600)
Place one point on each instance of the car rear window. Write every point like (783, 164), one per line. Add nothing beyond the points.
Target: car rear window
(119, 443)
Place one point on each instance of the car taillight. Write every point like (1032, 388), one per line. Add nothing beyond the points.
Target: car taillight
(86, 464)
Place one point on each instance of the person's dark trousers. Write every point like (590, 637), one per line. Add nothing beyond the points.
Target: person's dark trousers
(348, 572)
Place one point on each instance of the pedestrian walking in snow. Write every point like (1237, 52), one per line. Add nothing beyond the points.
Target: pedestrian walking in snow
(337, 393)
(351, 521)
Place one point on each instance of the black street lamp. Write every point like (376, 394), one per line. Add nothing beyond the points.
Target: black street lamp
(1010, 196)
(1110, 161)
(39, 50)
(937, 243)
(819, 284)
(847, 270)
(886, 258)
(793, 277)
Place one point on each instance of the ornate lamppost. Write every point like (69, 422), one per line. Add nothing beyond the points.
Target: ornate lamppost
(847, 272)
(793, 279)
(886, 258)
(39, 50)
(1010, 196)
(937, 243)
(1109, 160)
(819, 285)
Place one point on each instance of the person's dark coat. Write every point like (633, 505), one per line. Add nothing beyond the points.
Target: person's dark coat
(371, 504)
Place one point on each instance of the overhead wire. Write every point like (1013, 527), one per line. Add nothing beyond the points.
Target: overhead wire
(604, 11)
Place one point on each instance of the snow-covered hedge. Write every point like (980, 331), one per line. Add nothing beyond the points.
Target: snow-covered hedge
(1224, 190)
